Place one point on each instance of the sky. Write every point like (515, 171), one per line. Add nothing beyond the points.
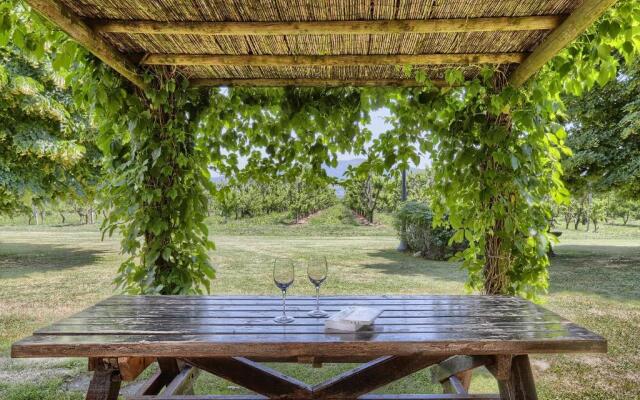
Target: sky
(377, 126)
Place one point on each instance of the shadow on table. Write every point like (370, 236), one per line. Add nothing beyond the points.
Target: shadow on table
(19, 259)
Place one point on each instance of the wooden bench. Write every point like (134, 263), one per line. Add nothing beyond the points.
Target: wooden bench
(231, 336)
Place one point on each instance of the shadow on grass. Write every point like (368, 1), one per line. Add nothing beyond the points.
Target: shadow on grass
(608, 271)
(611, 272)
(400, 263)
(19, 259)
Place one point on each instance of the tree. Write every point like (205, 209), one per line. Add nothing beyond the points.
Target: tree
(620, 206)
(368, 192)
(496, 151)
(597, 212)
(44, 137)
(604, 136)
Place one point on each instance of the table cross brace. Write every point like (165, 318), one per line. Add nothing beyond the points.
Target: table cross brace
(351, 384)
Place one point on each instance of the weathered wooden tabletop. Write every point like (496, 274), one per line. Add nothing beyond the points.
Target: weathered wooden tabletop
(231, 326)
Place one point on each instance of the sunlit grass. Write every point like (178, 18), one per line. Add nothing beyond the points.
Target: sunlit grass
(49, 272)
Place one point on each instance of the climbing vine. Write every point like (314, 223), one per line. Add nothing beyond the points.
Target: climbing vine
(495, 149)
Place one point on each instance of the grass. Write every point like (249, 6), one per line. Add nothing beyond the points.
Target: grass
(49, 272)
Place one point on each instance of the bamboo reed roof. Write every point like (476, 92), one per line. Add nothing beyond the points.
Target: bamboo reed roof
(316, 42)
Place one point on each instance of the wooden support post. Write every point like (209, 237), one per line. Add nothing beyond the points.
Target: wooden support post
(581, 19)
(132, 367)
(517, 382)
(461, 369)
(183, 382)
(169, 369)
(106, 380)
(74, 26)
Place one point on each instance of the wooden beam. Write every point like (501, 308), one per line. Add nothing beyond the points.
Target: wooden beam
(106, 380)
(458, 364)
(204, 82)
(209, 28)
(372, 375)
(253, 376)
(132, 367)
(63, 17)
(568, 31)
(332, 60)
(182, 383)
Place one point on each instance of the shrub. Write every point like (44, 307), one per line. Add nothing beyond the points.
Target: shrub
(414, 223)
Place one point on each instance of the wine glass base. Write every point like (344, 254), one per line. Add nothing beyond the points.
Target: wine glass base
(283, 319)
(318, 314)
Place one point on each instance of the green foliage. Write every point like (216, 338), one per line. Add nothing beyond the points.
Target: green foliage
(414, 222)
(620, 206)
(367, 191)
(605, 137)
(299, 197)
(157, 181)
(46, 145)
(496, 151)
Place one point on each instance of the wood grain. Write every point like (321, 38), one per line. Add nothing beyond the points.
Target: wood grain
(226, 326)
(333, 60)
(209, 28)
(310, 82)
(581, 19)
(63, 17)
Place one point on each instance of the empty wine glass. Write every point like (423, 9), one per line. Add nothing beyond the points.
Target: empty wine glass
(283, 276)
(317, 273)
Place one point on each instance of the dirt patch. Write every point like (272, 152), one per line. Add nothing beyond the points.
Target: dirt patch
(305, 220)
(34, 370)
(540, 365)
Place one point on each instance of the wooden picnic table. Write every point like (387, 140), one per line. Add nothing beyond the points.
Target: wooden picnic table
(230, 336)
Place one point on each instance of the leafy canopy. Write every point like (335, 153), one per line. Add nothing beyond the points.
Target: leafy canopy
(496, 150)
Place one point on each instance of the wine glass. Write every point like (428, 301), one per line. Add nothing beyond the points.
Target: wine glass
(283, 276)
(317, 273)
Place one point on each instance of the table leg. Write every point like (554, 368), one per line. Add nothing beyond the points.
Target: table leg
(519, 385)
(169, 368)
(106, 380)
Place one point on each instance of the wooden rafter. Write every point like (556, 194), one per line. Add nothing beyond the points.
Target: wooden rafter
(63, 17)
(203, 82)
(568, 31)
(498, 24)
(333, 60)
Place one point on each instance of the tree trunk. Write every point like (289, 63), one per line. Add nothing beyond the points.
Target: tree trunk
(497, 263)
(63, 219)
(578, 218)
(498, 257)
(35, 212)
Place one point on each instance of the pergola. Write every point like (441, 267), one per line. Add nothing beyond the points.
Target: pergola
(320, 43)
(323, 42)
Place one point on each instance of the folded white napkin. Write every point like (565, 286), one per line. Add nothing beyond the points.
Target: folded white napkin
(352, 319)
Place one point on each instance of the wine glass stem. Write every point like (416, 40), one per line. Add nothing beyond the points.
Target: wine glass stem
(318, 298)
(284, 303)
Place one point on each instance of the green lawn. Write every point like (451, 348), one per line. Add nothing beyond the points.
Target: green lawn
(49, 272)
